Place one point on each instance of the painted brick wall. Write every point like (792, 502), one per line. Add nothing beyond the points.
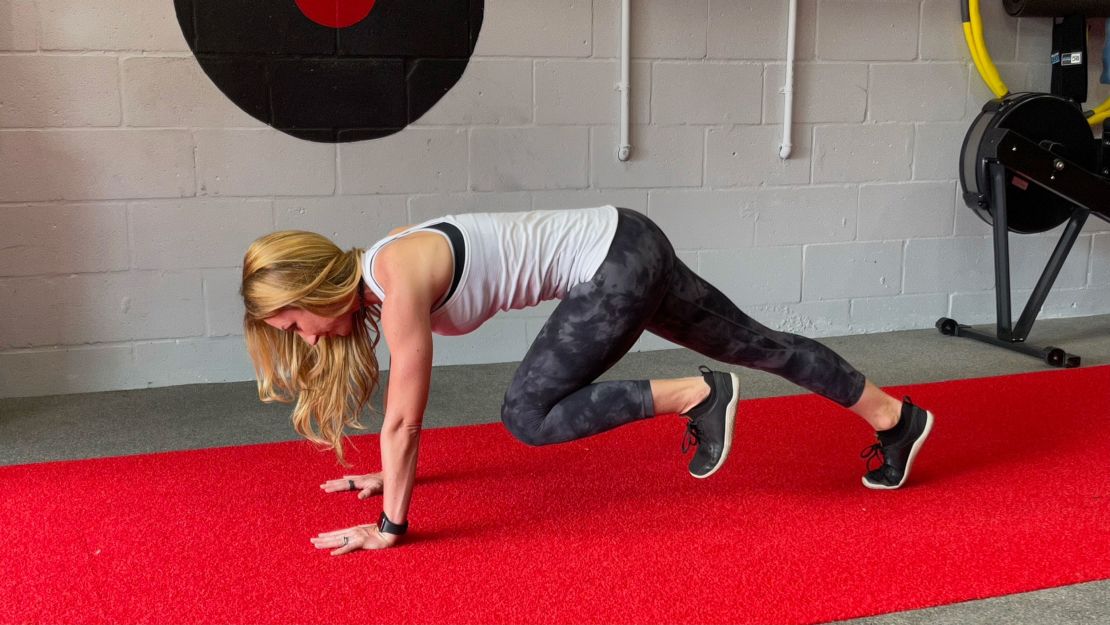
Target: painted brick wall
(130, 186)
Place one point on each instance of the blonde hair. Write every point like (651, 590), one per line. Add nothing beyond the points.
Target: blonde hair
(334, 380)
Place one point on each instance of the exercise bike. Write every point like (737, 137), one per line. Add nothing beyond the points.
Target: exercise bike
(1029, 163)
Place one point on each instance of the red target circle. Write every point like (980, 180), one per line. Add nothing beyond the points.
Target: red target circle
(336, 13)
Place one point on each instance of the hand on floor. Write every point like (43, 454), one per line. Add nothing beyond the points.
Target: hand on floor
(354, 539)
(367, 485)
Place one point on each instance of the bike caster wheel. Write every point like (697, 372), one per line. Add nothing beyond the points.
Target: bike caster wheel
(1056, 357)
(947, 326)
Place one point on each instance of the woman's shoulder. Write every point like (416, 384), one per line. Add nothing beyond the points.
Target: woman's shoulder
(414, 264)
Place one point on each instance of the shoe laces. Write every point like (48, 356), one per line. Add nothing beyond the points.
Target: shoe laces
(872, 453)
(692, 438)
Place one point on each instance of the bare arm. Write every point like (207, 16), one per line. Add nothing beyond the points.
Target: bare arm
(403, 270)
(407, 329)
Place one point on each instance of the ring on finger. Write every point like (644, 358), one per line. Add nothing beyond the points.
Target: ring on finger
(351, 485)
(346, 539)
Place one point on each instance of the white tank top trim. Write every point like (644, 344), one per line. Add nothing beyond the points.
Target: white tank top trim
(513, 260)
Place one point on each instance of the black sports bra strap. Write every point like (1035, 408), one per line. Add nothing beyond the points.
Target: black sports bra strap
(458, 245)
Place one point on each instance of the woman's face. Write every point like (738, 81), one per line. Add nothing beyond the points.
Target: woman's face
(311, 326)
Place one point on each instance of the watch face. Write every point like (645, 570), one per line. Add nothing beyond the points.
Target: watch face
(333, 70)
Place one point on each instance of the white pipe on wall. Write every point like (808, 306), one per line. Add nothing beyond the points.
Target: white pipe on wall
(788, 90)
(625, 150)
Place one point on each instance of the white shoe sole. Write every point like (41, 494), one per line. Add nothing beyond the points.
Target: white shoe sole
(909, 462)
(730, 423)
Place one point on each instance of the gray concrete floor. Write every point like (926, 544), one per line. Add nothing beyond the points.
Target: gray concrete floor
(44, 429)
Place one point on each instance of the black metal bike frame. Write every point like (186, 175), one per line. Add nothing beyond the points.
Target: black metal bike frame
(1008, 153)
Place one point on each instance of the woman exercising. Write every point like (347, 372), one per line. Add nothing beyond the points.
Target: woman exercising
(616, 274)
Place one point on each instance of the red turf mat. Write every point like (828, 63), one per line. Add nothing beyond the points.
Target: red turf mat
(1010, 494)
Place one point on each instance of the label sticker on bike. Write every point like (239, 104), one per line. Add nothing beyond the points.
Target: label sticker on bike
(333, 70)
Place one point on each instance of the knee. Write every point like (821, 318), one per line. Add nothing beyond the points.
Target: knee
(525, 428)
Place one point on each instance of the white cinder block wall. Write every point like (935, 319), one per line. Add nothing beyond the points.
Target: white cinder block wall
(130, 187)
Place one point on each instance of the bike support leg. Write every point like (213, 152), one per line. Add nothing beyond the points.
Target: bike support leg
(1008, 336)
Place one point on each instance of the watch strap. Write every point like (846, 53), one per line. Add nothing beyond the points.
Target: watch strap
(386, 526)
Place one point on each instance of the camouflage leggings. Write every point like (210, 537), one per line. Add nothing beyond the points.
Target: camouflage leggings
(642, 285)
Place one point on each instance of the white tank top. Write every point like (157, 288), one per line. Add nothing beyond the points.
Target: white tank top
(512, 260)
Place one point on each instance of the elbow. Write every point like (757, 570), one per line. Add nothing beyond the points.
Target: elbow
(408, 427)
(412, 428)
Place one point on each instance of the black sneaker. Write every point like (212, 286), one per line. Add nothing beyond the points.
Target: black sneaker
(711, 423)
(897, 448)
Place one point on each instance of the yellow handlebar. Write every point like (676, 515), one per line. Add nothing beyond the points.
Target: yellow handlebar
(973, 33)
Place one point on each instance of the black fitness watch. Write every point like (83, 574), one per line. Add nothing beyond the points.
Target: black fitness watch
(386, 526)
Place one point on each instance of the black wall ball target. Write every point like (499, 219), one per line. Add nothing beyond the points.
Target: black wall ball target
(333, 70)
